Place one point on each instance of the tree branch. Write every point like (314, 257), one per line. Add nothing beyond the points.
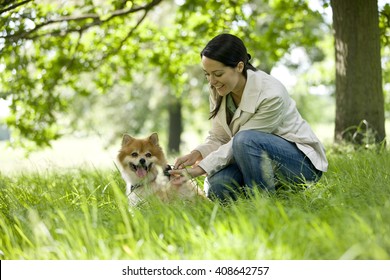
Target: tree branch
(129, 34)
(12, 7)
(97, 20)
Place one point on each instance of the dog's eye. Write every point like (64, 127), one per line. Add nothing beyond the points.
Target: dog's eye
(148, 154)
(134, 154)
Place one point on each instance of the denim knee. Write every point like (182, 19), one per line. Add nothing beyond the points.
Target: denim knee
(215, 190)
(240, 138)
(245, 138)
(241, 141)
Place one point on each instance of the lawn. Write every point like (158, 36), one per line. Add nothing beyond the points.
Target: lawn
(83, 214)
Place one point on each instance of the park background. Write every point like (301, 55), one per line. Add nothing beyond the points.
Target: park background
(76, 75)
(87, 72)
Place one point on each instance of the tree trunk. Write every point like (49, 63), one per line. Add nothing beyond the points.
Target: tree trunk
(175, 126)
(359, 94)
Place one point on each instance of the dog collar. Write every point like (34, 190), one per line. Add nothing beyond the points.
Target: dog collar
(134, 187)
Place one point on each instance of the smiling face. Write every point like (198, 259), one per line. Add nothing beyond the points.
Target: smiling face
(223, 78)
(139, 157)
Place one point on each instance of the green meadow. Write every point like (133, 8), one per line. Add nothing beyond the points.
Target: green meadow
(82, 214)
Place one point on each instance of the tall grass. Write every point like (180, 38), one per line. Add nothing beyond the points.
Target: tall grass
(83, 214)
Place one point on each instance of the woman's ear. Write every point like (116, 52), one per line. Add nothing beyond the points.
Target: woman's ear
(240, 66)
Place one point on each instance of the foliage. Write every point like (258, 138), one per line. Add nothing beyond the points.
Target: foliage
(49, 50)
(83, 214)
(384, 24)
(316, 79)
(46, 48)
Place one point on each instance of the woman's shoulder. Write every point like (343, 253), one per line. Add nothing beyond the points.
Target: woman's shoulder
(266, 82)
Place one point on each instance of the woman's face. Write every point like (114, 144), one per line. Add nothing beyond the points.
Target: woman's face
(223, 78)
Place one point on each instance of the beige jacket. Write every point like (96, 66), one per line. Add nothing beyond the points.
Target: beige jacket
(265, 106)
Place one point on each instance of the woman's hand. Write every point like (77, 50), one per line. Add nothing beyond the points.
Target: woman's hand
(180, 176)
(188, 160)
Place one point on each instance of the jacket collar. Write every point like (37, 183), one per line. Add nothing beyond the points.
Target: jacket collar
(251, 93)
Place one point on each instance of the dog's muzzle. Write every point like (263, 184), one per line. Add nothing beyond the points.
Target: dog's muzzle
(141, 169)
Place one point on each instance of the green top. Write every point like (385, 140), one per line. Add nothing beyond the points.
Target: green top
(230, 108)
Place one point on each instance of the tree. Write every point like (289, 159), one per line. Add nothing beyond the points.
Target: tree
(359, 93)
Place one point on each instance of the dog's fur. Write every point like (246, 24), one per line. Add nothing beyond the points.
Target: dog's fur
(141, 163)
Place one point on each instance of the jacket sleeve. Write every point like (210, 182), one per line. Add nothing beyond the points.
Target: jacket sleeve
(218, 159)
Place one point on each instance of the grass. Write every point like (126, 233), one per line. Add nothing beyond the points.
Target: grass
(83, 214)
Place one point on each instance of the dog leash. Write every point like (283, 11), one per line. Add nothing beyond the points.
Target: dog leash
(166, 170)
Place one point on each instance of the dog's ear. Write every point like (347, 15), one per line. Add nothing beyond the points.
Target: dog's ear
(154, 138)
(126, 139)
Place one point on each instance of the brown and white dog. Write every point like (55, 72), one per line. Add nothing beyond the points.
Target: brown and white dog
(142, 163)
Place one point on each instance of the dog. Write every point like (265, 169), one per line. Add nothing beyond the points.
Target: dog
(142, 163)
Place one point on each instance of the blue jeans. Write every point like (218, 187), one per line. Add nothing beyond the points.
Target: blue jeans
(261, 161)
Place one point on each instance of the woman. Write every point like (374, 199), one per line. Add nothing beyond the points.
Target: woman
(258, 138)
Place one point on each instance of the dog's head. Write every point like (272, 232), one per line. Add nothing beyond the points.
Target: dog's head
(140, 157)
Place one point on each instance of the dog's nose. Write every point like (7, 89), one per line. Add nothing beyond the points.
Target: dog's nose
(142, 161)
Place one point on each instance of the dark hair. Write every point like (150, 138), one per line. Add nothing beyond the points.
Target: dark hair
(229, 50)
